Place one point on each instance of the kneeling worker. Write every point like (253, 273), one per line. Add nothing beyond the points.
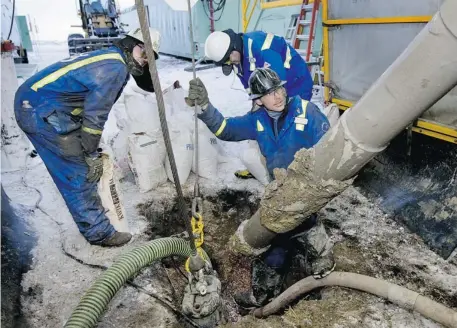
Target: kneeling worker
(63, 109)
(281, 126)
(246, 52)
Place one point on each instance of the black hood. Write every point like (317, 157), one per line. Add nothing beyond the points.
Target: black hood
(144, 81)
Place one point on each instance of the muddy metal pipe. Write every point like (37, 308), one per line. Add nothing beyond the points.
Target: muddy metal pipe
(419, 77)
(401, 296)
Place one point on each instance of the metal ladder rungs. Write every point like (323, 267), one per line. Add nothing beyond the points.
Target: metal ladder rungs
(307, 7)
(302, 52)
(304, 22)
(302, 37)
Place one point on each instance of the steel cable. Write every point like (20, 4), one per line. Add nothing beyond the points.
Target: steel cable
(163, 119)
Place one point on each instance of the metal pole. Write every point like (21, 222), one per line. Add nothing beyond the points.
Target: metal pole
(163, 119)
(192, 51)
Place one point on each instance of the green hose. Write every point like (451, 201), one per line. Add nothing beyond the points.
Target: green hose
(93, 304)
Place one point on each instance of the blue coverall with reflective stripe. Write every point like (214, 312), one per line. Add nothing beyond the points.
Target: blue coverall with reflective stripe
(69, 105)
(262, 49)
(301, 126)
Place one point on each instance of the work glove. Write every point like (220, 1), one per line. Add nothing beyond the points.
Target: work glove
(95, 164)
(197, 94)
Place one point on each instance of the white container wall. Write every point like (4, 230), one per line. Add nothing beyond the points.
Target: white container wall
(173, 26)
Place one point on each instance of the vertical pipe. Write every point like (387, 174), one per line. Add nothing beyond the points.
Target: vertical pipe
(326, 51)
(211, 16)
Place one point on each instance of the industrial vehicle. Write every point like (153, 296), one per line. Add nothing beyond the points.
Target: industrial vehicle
(101, 25)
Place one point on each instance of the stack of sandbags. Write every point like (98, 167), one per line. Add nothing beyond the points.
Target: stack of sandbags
(140, 134)
(144, 141)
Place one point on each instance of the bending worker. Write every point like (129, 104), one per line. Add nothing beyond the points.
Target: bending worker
(282, 125)
(243, 53)
(63, 109)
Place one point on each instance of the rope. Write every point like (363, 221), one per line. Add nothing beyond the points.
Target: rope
(192, 51)
(163, 119)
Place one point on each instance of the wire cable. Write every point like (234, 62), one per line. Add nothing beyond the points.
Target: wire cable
(163, 121)
(12, 20)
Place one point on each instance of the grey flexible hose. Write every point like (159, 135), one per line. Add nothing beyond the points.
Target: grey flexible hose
(401, 296)
(94, 302)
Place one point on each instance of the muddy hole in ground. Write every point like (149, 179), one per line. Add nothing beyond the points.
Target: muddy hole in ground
(222, 214)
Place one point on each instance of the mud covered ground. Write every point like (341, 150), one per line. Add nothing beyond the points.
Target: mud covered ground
(367, 241)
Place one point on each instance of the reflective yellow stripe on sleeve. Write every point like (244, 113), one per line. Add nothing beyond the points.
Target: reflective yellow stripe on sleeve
(251, 58)
(259, 126)
(300, 120)
(76, 111)
(221, 128)
(92, 131)
(288, 58)
(304, 105)
(64, 70)
(268, 40)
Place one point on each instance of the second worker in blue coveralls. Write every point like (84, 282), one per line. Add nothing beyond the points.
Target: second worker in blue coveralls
(63, 109)
(281, 125)
(243, 53)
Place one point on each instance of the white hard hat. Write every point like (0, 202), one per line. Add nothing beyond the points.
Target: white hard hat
(216, 46)
(155, 37)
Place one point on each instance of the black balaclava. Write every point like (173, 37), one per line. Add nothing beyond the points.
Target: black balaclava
(140, 73)
(236, 44)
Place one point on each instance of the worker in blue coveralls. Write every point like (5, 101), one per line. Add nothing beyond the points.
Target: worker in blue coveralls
(243, 53)
(282, 126)
(63, 109)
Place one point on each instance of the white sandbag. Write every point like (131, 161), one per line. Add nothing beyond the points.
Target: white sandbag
(183, 150)
(207, 153)
(146, 156)
(333, 113)
(110, 195)
(143, 115)
(119, 146)
(254, 161)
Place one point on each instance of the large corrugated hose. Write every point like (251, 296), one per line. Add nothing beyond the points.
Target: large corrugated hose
(94, 302)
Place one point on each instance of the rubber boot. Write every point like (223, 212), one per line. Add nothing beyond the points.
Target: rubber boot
(118, 239)
(319, 248)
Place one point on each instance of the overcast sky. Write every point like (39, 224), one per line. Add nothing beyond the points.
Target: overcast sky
(55, 17)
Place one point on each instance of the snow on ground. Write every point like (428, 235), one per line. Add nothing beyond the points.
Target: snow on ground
(54, 285)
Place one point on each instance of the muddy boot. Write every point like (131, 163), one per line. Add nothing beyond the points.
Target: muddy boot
(118, 239)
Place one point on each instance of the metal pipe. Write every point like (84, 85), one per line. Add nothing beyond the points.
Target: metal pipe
(420, 76)
(211, 16)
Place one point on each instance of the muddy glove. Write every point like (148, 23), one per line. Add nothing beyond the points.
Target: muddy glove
(197, 94)
(95, 164)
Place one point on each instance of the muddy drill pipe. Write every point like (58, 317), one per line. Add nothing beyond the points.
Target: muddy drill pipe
(419, 77)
